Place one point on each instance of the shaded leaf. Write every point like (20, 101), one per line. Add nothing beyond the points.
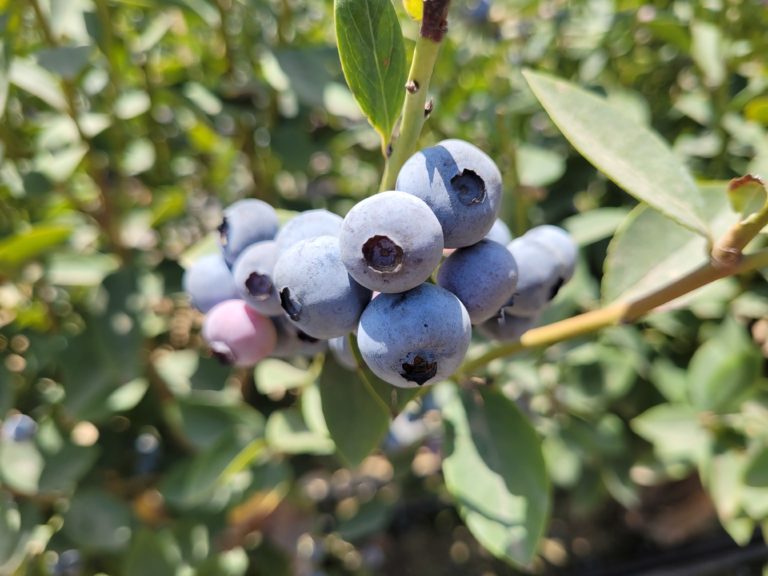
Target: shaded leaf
(64, 61)
(649, 250)
(675, 431)
(725, 369)
(356, 417)
(97, 521)
(31, 243)
(628, 153)
(372, 56)
(494, 468)
(286, 432)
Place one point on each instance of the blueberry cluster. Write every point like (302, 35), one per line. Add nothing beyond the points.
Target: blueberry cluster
(286, 291)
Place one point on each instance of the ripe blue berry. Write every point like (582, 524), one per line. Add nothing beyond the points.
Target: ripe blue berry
(246, 222)
(69, 563)
(19, 428)
(237, 334)
(208, 281)
(560, 243)
(462, 186)
(500, 233)
(253, 277)
(307, 225)
(391, 242)
(506, 327)
(539, 277)
(483, 276)
(148, 453)
(414, 338)
(294, 342)
(316, 291)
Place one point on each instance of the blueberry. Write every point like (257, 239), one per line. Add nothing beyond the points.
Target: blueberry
(560, 243)
(237, 334)
(148, 453)
(209, 281)
(414, 338)
(539, 277)
(500, 233)
(391, 242)
(462, 186)
(19, 428)
(483, 276)
(253, 277)
(69, 563)
(246, 222)
(293, 342)
(342, 352)
(316, 291)
(308, 225)
(505, 327)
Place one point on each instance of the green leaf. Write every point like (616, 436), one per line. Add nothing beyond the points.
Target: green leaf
(31, 243)
(589, 227)
(356, 417)
(65, 61)
(10, 525)
(152, 552)
(37, 81)
(97, 521)
(708, 51)
(287, 432)
(539, 166)
(372, 56)
(21, 465)
(628, 153)
(274, 375)
(650, 250)
(757, 471)
(71, 269)
(7, 32)
(675, 431)
(725, 369)
(494, 468)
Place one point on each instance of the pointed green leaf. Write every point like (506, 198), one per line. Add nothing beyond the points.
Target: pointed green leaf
(494, 468)
(8, 25)
(725, 369)
(355, 415)
(650, 250)
(372, 56)
(629, 154)
(28, 244)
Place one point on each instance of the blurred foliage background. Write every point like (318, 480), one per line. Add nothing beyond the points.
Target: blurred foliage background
(126, 125)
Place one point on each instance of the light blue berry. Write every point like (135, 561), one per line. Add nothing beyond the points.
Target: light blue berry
(291, 341)
(462, 186)
(208, 281)
(505, 327)
(316, 291)
(414, 338)
(391, 242)
(19, 428)
(252, 274)
(539, 277)
(483, 276)
(500, 233)
(307, 225)
(560, 243)
(244, 223)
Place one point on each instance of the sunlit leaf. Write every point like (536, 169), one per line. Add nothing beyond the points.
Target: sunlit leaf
(630, 154)
(372, 56)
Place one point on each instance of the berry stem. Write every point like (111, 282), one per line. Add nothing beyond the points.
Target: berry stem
(618, 312)
(433, 29)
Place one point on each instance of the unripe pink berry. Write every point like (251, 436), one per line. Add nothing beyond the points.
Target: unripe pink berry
(237, 334)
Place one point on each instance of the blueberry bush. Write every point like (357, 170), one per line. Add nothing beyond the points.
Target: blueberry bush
(370, 287)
